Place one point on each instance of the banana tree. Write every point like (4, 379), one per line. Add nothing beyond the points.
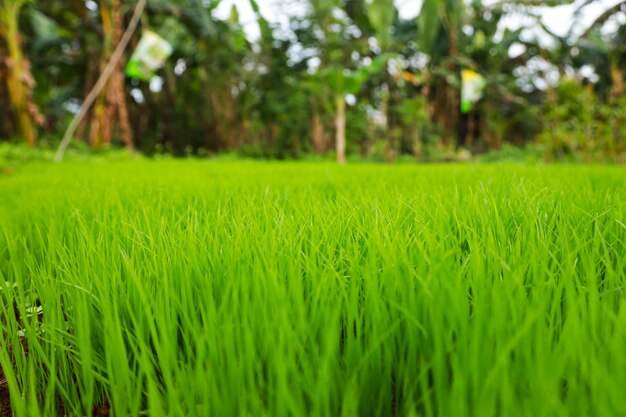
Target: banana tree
(213, 91)
(381, 15)
(440, 36)
(613, 51)
(343, 82)
(439, 26)
(18, 76)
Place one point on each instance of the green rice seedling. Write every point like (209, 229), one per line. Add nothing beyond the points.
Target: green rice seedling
(197, 288)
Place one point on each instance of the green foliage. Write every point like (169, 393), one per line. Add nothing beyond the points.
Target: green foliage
(533, 153)
(429, 24)
(222, 91)
(343, 81)
(13, 156)
(582, 127)
(381, 15)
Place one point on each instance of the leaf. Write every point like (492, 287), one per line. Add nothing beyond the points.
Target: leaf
(43, 26)
(603, 18)
(428, 24)
(264, 26)
(360, 77)
(381, 14)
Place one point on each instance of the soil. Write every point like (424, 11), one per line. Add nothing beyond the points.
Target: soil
(5, 399)
(5, 402)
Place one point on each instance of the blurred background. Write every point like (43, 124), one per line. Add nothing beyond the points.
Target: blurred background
(377, 80)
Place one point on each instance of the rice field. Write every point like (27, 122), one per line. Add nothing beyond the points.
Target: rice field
(197, 288)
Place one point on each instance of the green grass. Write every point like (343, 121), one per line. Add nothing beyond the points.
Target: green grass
(191, 288)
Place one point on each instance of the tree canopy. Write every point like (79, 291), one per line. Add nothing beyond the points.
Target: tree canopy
(345, 77)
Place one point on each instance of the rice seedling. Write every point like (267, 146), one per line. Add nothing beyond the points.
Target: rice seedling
(264, 289)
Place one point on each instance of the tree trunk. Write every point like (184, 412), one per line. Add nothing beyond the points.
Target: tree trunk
(617, 81)
(318, 135)
(340, 129)
(110, 106)
(116, 93)
(453, 93)
(395, 131)
(16, 76)
(6, 123)
(100, 129)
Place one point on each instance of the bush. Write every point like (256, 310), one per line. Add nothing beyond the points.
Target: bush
(582, 127)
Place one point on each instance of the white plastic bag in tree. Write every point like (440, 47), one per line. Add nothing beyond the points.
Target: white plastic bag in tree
(472, 87)
(150, 55)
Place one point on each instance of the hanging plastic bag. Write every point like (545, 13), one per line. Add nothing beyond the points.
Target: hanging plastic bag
(472, 87)
(150, 55)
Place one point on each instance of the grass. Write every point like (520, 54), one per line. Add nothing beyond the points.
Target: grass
(185, 288)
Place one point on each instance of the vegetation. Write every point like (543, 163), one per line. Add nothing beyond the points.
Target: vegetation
(283, 95)
(195, 288)
(134, 283)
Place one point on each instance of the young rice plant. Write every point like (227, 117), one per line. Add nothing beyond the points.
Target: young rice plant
(197, 288)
